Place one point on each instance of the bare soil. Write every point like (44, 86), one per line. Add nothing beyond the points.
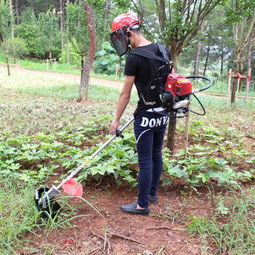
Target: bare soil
(75, 78)
(117, 233)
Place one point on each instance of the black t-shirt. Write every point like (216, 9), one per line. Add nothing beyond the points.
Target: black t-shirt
(144, 69)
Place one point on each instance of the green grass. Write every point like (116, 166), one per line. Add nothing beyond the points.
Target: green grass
(17, 215)
(222, 104)
(220, 85)
(231, 230)
(39, 85)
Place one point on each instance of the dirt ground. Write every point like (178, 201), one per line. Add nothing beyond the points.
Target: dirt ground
(75, 78)
(117, 233)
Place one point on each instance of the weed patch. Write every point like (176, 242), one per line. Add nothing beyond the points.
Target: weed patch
(232, 229)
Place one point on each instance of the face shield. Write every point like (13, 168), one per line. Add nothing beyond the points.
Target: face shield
(120, 42)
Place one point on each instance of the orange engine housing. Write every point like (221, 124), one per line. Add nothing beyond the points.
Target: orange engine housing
(178, 85)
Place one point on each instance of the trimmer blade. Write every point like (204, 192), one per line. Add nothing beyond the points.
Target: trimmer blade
(46, 205)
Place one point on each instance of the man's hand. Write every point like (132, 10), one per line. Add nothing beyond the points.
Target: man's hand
(113, 127)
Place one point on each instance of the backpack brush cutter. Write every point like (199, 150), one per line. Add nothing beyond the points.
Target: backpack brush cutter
(177, 93)
(175, 98)
(45, 197)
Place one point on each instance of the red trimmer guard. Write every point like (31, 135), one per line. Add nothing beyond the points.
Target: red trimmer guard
(73, 188)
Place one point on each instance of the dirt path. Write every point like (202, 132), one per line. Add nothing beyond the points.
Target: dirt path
(75, 78)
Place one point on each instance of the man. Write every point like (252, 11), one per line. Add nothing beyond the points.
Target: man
(150, 121)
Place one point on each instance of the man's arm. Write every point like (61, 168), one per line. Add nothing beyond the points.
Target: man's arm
(122, 102)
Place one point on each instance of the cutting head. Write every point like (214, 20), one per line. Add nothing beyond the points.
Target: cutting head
(45, 202)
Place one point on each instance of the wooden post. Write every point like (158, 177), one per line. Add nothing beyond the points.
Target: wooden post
(229, 82)
(7, 61)
(186, 131)
(248, 82)
(238, 83)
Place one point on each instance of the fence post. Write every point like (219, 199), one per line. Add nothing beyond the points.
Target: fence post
(186, 131)
(229, 84)
(248, 82)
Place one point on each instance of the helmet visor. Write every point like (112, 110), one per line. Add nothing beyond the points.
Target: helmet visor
(119, 42)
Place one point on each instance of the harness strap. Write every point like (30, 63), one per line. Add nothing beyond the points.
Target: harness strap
(151, 55)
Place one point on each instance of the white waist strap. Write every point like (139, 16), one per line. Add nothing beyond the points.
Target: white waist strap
(157, 109)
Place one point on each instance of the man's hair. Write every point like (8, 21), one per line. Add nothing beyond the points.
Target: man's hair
(136, 30)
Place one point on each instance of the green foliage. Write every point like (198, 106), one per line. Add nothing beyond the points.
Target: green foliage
(48, 31)
(5, 20)
(74, 56)
(239, 10)
(41, 33)
(117, 159)
(33, 158)
(106, 60)
(200, 165)
(29, 33)
(76, 23)
(16, 47)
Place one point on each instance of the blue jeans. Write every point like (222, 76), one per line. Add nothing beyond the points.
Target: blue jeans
(149, 129)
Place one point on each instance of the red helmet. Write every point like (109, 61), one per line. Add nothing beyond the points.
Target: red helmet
(125, 21)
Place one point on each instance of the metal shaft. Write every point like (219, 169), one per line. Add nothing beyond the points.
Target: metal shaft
(77, 170)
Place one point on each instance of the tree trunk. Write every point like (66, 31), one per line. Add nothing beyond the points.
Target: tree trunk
(12, 19)
(67, 40)
(198, 53)
(237, 70)
(171, 134)
(68, 51)
(91, 54)
(82, 67)
(62, 20)
(221, 60)
(174, 56)
(206, 60)
(172, 121)
(106, 15)
(197, 60)
(248, 81)
(7, 61)
(17, 19)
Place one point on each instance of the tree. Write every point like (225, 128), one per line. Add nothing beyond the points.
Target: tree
(198, 52)
(179, 22)
(91, 54)
(5, 20)
(16, 48)
(28, 30)
(48, 31)
(77, 32)
(241, 15)
(62, 22)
